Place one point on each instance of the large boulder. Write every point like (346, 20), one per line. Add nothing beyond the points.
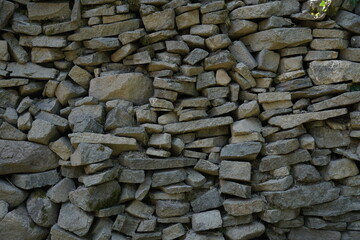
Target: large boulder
(134, 87)
(22, 156)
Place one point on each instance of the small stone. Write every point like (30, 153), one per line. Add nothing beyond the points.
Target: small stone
(187, 19)
(209, 200)
(195, 56)
(206, 220)
(35, 180)
(46, 11)
(12, 195)
(220, 60)
(242, 54)
(139, 209)
(238, 151)
(306, 173)
(166, 177)
(59, 192)
(173, 232)
(236, 189)
(42, 132)
(90, 153)
(340, 168)
(166, 17)
(204, 30)
(234, 170)
(168, 208)
(237, 207)
(249, 231)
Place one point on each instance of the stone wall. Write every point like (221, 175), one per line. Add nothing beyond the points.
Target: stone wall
(159, 119)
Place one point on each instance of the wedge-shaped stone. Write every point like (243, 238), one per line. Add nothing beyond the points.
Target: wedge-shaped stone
(348, 20)
(303, 196)
(223, 59)
(293, 120)
(238, 207)
(31, 70)
(187, 88)
(206, 220)
(196, 125)
(117, 144)
(333, 71)
(136, 160)
(11, 194)
(277, 38)
(134, 87)
(337, 207)
(105, 30)
(249, 231)
(321, 90)
(344, 99)
(96, 197)
(273, 162)
(241, 151)
(35, 180)
(162, 20)
(330, 138)
(22, 156)
(282, 146)
(87, 153)
(266, 10)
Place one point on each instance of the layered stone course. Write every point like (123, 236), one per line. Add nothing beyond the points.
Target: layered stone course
(179, 119)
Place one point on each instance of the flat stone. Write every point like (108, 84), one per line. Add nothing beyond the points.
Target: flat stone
(41, 210)
(31, 70)
(6, 14)
(166, 177)
(330, 138)
(12, 195)
(67, 90)
(168, 208)
(22, 24)
(339, 169)
(282, 146)
(209, 200)
(187, 19)
(220, 60)
(96, 197)
(238, 207)
(39, 11)
(279, 184)
(234, 170)
(266, 10)
(273, 162)
(338, 101)
(333, 71)
(124, 86)
(321, 55)
(32, 157)
(246, 126)
(42, 132)
(139, 209)
(206, 220)
(98, 178)
(350, 54)
(349, 21)
(303, 196)
(235, 189)
(318, 91)
(140, 161)
(74, 219)
(117, 144)
(242, 232)
(293, 120)
(35, 180)
(276, 215)
(17, 224)
(195, 56)
(305, 233)
(59, 192)
(241, 151)
(295, 84)
(105, 30)
(165, 17)
(277, 38)
(239, 28)
(306, 173)
(329, 44)
(9, 132)
(173, 232)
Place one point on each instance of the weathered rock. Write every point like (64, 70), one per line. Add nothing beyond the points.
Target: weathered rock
(32, 157)
(243, 232)
(21, 24)
(348, 20)
(124, 86)
(238, 151)
(166, 177)
(74, 219)
(303, 196)
(41, 210)
(234, 170)
(236, 189)
(17, 224)
(7, 10)
(273, 162)
(282, 146)
(168, 208)
(340, 168)
(277, 38)
(42, 132)
(11, 194)
(59, 192)
(206, 220)
(209, 200)
(96, 197)
(187, 19)
(237, 207)
(35, 180)
(306, 173)
(330, 138)
(31, 70)
(9, 132)
(242, 54)
(166, 18)
(90, 153)
(46, 11)
(304, 233)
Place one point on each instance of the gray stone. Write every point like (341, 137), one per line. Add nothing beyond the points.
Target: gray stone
(21, 156)
(90, 153)
(17, 224)
(6, 14)
(293, 120)
(168, 208)
(11, 194)
(62, 147)
(139, 209)
(74, 219)
(101, 229)
(16, 51)
(187, 19)
(306, 173)
(98, 178)
(166, 177)
(195, 56)
(276, 215)
(35, 180)
(340, 168)
(173, 232)
(304, 233)
(234, 170)
(239, 151)
(236, 189)
(166, 18)
(209, 200)
(42, 132)
(67, 90)
(279, 184)
(338, 101)
(277, 38)
(46, 11)
(21, 24)
(243, 232)
(9, 132)
(124, 86)
(303, 196)
(282, 146)
(350, 54)
(41, 210)
(206, 220)
(246, 126)
(239, 28)
(330, 138)
(4, 206)
(273, 162)
(238, 207)
(31, 70)
(59, 192)
(223, 59)
(132, 176)
(333, 71)
(349, 21)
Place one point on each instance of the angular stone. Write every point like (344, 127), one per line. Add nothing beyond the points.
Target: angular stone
(166, 177)
(240, 151)
(35, 180)
(303, 196)
(242, 232)
(74, 219)
(21, 24)
(195, 56)
(217, 42)
(173, 232)
(217, 17)
(333, 71)
(273, 162)
(305, 233)
(39, 11)
(139, 209)
(168, 208)
(59, 192)
(166, 18)
(9, 132)
(239, 28)
(4, 53)
(277, 38)
(246, 126)
(207, 167)
(338, 101)
(7, 10)
(17, 224)
(322, 55)
(280, 184)
(276, 215)
(12, 195)
(282, 146)
(206, 220)
(237, 207)
(31, 70)
(350, 54)
(125, 86)
(67, 90)
(222, 59)
(21, 156)
(306, 173)
(236, 189)
(42, 132)
(293, 120)
(41, 210)
(339, 169)
(123, 52)
(234, 170)
(96, 197)
(90, 153)
(348, 20)
(105, 30)
(330, 138)
(209, 200)
(187, 19)
(266, 10)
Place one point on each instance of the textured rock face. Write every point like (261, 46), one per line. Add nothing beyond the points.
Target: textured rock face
(179, 119)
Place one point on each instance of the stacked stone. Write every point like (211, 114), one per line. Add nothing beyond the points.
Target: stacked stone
(159, 119)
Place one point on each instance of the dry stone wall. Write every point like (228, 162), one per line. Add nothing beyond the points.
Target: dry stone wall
(179, 119)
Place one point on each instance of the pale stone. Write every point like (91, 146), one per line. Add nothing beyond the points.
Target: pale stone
(243, 232)
(206, 220)
(238, 207)
(340, 168)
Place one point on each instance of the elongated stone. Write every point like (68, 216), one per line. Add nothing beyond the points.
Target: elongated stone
(31, 70)
(241, 151)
